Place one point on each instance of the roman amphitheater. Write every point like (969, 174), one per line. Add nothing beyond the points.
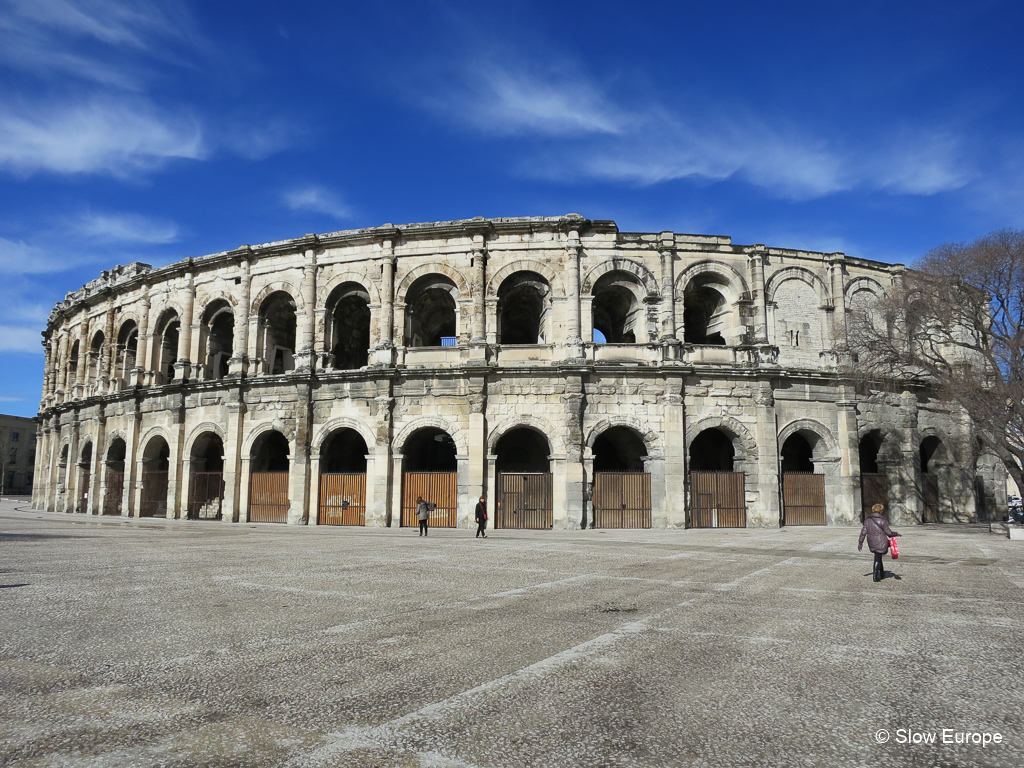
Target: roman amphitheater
(579, 376)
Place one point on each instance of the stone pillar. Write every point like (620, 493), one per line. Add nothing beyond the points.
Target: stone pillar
(108, 356)
(183, 365)
(244, 487)
(768, 513)
(234, 478)
(837, 288)
(238, 365)
(177, 477)
(129, 501)
(492, 489)
(304, 359)
(71, 474)
(44, 460)
(755, 265)
(909, 469)
(383, 354)
(379, 512)
(63, 357)
(846, 509)
(46, 400)
(575, 477)
(673, 510)
(588, 489)
(97, 479)
(573, 341)
(138, 376)
(313, 513)
(394, 515)
(298, 475)
(477, 438)
(478, 342)
(82, 374)
(668, 287)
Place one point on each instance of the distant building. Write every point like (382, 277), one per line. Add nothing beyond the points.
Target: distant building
(17, 454)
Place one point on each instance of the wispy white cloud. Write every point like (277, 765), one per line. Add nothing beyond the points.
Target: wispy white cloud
(317, 200)
(125, 228)
(15, 339)
(113, 136)
(4, 399)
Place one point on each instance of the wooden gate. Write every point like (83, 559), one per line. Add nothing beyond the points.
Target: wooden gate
(525, 501)
(205, 495)
(438, 488)
(154, 495)
(83, 492)
(930, 497)
(718, 500)
(268, 497)
(342, 499)
(803, 498)
(114, 494)
(874, 489)
(622, 500)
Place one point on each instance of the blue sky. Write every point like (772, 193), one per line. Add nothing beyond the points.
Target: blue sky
(153, 131)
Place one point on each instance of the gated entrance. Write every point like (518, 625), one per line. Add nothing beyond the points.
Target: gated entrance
(718, 500)
(930, 497)
(803, 498)
(874, 489)
(437, 488)
(342, 499)
(268, 497)
(622, 500)
(205, 496)
(154, 494)
(83, 492)
(525, 501)
(114, 493)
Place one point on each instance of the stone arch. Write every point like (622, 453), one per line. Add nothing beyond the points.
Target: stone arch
(324, 289)
(524, 265)
(268, 426)
(206, 298)
(461, 284)
(635, 268)
(115, 434)
(733, 279)
(149, 435)
(814, 426)
(456, 434)
(274, 287)
(199, 430)
(737, 432)
(797, 273)
(343, 422)
(652, 439)
(862, 283)
(530, 421)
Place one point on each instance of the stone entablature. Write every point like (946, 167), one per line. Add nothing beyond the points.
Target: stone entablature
(474, 329)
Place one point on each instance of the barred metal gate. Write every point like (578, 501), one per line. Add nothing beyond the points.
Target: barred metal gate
(525, 500)
(342, 499)
(438, 488)
(930, 497)
(114, 494)
(718, 500)
(154, 495)
(83, 492)
(874, 489)
(803, 498)
(205, 496)
(622, 500)
(268, 497)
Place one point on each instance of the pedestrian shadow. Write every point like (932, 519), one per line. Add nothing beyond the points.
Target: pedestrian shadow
(887, 575)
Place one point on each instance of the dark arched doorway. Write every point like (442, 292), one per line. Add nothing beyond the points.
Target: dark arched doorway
(268, 483)
(874, 484)
(430, 472)
(113, 493)
(717, 493)
(206, 486)
(523, 483)
(348, 326)
(84, 478)
(343, 479)
(155, 465)
(622, 487)
(803, 490)
(932, 462)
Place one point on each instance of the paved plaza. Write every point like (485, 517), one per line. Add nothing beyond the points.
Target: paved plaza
(175, 643)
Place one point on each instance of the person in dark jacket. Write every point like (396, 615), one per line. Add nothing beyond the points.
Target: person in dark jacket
(877, 531)
(423, 513)
(481, 517)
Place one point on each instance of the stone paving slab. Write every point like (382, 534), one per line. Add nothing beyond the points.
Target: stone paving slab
(179, 644)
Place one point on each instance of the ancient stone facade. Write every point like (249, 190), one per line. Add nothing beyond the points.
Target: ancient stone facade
(556, 350)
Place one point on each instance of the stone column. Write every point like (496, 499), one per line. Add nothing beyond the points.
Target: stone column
(138, 376)
(234, 478)
(46, 400)
(573, 342)
(383, 354)
(755, 265)
(477, 438)
(394, 515)
(304, 359)
(668, 287)
(129, 501)
(44, 460)
(243, 488)
(492, 489)
(82, 374)
(108, 356)
(673, 510)
(238, 365)
(768, 513)
(909, 468)
(588, 489)
(183, 365)
(837, 288)
(379, 512)
(97, 479)
(298, 475)
(575, 477)
(847, 508)
(71, 475)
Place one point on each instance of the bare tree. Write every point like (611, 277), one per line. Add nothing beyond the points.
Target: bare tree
(956, 322)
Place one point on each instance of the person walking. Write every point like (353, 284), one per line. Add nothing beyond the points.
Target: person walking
(877, 531)
(423, 513)
(481, 517)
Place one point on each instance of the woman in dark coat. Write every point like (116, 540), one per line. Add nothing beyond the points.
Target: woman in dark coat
(876, 529)
(481, 517)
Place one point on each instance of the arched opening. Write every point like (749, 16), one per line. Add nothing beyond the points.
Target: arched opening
(73, 364)
(523, 483)
(707, 316)
(348, 326)
(268, 478)
(155, 467)
(217, 338)
(935, 479)
(429, 471)
(84, 478)
(95, 360)
(622, 487)
(113, 494)
(206, 484)
(717, 493)
(430, 317)
(127, 348)
(343, 479)
(275, 342)
(166, 346)
(616, 309)
(523, 305)
(803, 490)
(874, 484)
